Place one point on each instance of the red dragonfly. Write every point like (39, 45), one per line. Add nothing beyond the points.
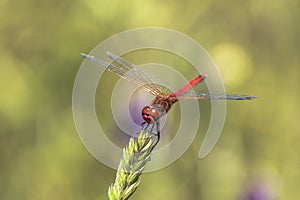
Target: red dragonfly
(162, 102)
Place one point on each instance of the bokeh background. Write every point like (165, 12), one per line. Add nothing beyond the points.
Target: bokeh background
(255, 45)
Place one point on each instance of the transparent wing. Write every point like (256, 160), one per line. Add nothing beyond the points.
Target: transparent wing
(131, 72)
(213, 96)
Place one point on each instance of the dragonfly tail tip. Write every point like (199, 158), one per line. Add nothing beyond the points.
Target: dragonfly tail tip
(250, 97)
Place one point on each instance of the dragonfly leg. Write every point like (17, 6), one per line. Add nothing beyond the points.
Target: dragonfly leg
(150, 127)
(157, 133)
(145, 125)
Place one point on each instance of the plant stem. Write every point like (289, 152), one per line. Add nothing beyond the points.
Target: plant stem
(133, 161)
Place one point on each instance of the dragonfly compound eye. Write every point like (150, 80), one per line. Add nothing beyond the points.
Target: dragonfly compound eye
(147, 115)
(154, 113)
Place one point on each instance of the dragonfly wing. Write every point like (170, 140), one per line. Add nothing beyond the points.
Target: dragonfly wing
(129, 71)
(150, 82)
(95, 60)
(214, 96)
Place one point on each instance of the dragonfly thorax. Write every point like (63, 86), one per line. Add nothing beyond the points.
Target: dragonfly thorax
(163, 102)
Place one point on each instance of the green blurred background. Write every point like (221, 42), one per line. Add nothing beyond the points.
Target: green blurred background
(255, 45)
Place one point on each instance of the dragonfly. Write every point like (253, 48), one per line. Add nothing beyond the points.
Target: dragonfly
(163, 100)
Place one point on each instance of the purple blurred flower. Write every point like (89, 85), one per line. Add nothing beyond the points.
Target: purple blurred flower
(258, 190)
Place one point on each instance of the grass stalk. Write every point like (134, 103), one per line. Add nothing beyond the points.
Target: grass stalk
(133, 161)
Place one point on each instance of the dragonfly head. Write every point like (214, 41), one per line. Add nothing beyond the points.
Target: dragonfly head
(150, 114)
